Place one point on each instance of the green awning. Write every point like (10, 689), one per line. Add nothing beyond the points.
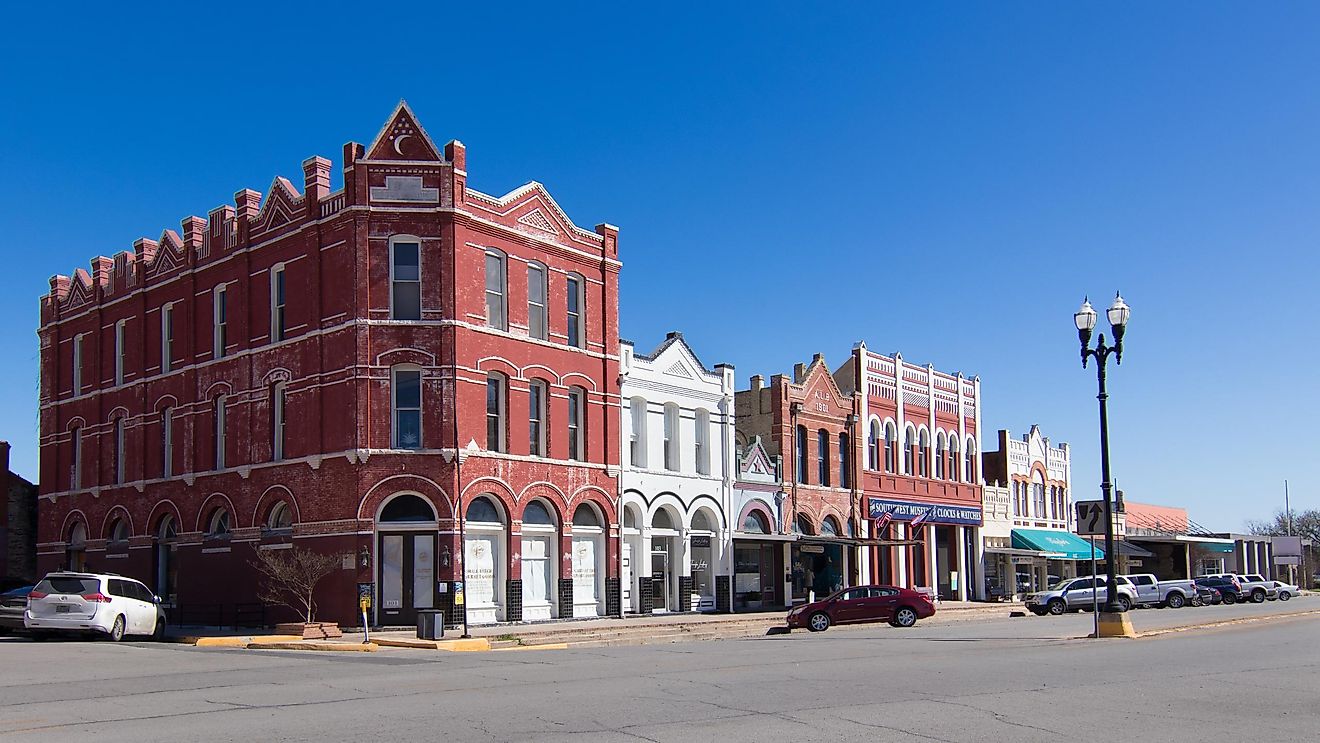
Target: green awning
(1215, 547)
(1060, 545)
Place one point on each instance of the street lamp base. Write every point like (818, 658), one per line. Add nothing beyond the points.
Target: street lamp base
(1115, 624)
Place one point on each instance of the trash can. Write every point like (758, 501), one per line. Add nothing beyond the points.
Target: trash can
(430, 624)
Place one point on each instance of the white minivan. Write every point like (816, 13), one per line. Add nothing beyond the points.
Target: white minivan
(93, 602)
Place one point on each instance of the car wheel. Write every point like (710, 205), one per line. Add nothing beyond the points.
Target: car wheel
(1124, 603)
(1056, 607)
(1284, 595)
(158, 634)
(1197, 601)
(1258, 596)
(1230, 598)
(819, 622)
(905, 617)
(117, 629)
(1176, 601)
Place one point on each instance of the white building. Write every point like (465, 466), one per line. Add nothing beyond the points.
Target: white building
(677, 479)
(1039, 546)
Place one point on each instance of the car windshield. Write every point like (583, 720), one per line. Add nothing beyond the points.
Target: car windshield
(1059, 586)
(69, 585)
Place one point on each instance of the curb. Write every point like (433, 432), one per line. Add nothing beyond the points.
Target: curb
(236, 642)
(470, 645)
(340, 647)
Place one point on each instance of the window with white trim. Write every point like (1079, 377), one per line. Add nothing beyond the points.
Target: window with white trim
(495, 405)
(277, 304)
(497, 315)
(166, 337)
(77, 364)
(823, 457)
(538, 394)
(637, 436)
(278, 401)
(536, 291)
(671, 437)
(218, 526)
(167, 442)
(407, 404)
(75, 458)
(121, 329)
(953, 459)
(577, 423)
(218, 414)
(406, 280)
(576, 305)
(219, 321)
(119, 450)
(701, 441)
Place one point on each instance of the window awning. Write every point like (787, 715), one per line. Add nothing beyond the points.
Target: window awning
(1060, 545)
(1015, 552)
(1210, 544)
(751, 537)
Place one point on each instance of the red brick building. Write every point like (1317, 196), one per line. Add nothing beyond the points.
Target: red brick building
(344, 371)
(922, 441)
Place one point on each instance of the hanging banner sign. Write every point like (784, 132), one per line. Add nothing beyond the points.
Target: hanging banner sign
(939, 514)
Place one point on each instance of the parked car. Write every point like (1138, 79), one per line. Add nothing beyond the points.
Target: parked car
(1254, 586)
(1152, 591)
(1076, 595)
(901, 607)
(1229, 587)
(102, 603)
(1206, 596)
(12, 605)
(1284, 591)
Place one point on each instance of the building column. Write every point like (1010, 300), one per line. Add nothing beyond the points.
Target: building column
(932, 561)
(900, 554)
(788, 573)
(978, 557)
(960, 533)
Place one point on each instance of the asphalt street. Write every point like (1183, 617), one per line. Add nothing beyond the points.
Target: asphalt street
(1020, 679)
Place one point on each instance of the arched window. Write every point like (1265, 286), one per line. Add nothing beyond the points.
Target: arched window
(802, 454)
(823, 457)
(585, 515)
(536, 293)
(802, 525)
(167, 442)
(939, 455)
(701, 521)
(971, 460)
(497, 315)
(845, 461)
(406, 404)
(755, 523)
(217, 527)
(671, 437)
(409, 508)
(406, 280)
(637, 435)
(873, 447)
(536, 513)
(280, 518)
(829, 527)
(923, 453)
(701, 441)
(909, 451)
(891, 448)
(1038, 495)
(953, 459)
(218, 414)
(538, 393)
(661, 519)
(77, 550)
(482, 510)
(495, 406)
(119, 533)
(168, 530)
(630, 520)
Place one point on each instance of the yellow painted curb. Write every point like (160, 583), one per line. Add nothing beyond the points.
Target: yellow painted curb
(470, 645)
(340, 647)
(1116, 625)
(547, 646)
(241, 642)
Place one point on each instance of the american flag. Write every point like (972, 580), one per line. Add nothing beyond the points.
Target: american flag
(883, 522)
(919, 522)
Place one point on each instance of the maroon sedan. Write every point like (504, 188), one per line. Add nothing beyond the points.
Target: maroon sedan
(901, 607)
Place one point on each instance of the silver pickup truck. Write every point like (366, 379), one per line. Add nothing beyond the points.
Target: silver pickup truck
(1076, 595)
(1152, 591)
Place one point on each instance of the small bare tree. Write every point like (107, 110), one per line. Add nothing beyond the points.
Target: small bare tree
(291, 576)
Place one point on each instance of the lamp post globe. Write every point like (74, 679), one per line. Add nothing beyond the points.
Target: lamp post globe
(1084, 317)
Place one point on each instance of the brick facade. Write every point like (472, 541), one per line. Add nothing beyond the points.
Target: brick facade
(322, 310)
(18, 523)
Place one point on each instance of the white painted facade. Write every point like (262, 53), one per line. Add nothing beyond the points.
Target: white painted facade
(677, 426)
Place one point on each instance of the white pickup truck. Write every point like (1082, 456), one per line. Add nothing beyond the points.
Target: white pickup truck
(1152, 591)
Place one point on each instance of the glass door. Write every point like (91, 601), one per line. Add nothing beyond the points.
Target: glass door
(406, 577)
(660, 581)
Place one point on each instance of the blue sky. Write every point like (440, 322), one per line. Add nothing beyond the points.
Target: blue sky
(946, 181)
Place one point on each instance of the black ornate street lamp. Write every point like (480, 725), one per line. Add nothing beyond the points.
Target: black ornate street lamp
(1085, 320)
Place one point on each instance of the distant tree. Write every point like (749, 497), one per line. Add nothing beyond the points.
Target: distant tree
(291, 576)
(1304, 524)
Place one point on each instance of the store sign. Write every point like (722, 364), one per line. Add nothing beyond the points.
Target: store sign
(700, 540)
(906, 511)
